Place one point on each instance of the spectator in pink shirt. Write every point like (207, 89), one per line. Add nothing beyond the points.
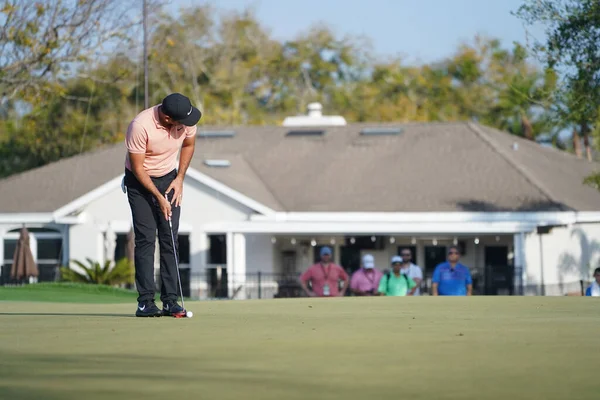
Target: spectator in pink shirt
(365, 281)
(324, 277)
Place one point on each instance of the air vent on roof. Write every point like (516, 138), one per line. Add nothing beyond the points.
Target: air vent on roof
(312, 132)
(216, 134)
(217, 163)
(381, 131)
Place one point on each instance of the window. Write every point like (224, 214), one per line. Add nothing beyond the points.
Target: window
(218, 249)
(49, 249)
(382, 131)
(121, 246)
(46, 247)
(310, 133)
(10, 245)
(183, 243)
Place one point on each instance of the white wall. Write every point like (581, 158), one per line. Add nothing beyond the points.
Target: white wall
(201, 205)
(259, 254)
(569, 254)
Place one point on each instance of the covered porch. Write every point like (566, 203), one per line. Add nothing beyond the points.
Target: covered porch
(284, 246)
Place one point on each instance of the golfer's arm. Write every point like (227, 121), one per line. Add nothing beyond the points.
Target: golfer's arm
(187, 152)
(469, 290)
(434, 289)
(137, 167)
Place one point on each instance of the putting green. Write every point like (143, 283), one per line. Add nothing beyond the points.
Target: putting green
(349, 348)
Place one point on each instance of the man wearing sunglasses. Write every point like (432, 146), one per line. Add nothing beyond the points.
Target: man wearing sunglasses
(411, 270)
(452, 278)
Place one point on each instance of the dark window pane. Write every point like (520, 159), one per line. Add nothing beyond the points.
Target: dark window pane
(49, 249)
(5, 276)
(10, 245)
(184, 249)
(218, 249)
(121, 246)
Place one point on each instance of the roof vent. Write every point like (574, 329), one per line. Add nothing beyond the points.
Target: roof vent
(310, 133)
(315, 117)
(217, 163)
(216, 134)
(381, 131)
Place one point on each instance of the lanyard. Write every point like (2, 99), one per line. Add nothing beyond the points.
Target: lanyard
(328, 270)
(371, 278)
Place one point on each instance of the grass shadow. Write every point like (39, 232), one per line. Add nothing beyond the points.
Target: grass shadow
(63, 314)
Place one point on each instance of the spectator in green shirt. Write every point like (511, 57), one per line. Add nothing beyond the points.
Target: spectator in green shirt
(395, 283)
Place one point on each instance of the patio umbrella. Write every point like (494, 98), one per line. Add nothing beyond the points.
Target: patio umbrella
(23, 264)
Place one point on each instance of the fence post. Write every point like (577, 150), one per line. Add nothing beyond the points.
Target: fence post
(259, 285)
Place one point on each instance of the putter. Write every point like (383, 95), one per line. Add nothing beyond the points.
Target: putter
(185, 312)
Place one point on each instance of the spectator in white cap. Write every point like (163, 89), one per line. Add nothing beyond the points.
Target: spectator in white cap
(365, 281)
(411, 270)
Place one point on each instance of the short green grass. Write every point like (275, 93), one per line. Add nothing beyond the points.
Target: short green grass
(348, 348)
(67, 293)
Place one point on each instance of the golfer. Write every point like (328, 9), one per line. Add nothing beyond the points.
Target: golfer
(154, 190)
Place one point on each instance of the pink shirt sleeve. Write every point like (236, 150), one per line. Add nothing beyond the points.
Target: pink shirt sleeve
(191, 131)
(354, 281)
(342, 274)
(307, 275)
(136, 138)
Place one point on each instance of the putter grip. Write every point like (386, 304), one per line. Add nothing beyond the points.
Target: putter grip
(169, 217)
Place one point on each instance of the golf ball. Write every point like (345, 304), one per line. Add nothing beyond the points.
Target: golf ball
(189, 314)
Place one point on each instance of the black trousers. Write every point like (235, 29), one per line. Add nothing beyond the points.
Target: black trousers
(148, 219)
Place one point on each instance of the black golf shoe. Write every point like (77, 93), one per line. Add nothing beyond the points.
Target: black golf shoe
(147, 309)
(172, 308)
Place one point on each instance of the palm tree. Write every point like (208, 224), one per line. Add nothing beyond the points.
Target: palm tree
(121, 272)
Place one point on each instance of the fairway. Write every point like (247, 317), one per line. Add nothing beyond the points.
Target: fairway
(348, 348)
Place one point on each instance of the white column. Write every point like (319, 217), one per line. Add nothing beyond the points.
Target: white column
(239, 264)
(337, 251)
(230, 263)
(520, 260)
(198, 259)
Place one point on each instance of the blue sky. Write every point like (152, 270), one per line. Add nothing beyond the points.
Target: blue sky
(417, 30)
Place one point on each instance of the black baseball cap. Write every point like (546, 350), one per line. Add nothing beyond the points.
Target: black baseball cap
(180, 109)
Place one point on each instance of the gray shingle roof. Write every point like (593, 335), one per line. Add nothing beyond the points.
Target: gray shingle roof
(428, 167)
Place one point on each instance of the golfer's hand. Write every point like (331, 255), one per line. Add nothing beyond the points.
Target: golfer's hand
(177, 186)
(165, 207)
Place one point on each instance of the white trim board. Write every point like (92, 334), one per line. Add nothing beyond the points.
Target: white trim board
(40, 218)
(540, 218)
(192, 173)
(122, 226)
(370, 228)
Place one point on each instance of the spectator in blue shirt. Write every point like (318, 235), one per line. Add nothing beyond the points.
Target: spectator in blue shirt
(451, 278)
(594, 289)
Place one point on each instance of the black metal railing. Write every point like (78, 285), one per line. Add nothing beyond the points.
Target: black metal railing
(213, 284)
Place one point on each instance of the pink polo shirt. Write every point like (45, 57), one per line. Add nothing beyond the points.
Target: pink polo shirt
(320, 275)
(161, 145)
(364, 280)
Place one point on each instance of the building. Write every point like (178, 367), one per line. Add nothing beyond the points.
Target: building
(264, 199)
